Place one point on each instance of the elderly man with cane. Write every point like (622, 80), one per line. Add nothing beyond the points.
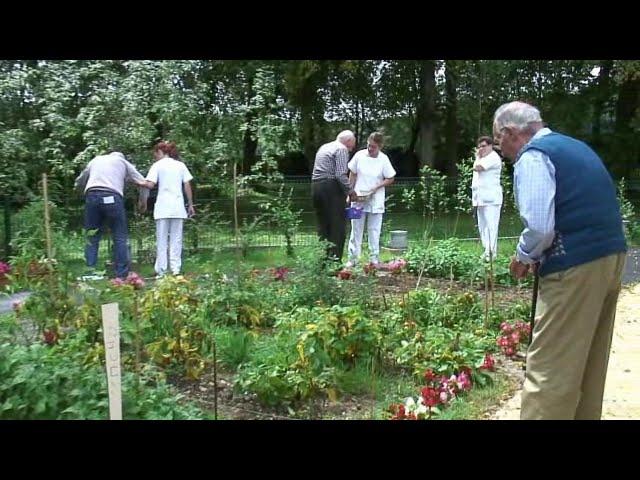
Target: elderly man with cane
(573, 239)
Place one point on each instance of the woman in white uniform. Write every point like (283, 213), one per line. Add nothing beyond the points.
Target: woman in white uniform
(169, 212)
(371, 171)
(486, 194)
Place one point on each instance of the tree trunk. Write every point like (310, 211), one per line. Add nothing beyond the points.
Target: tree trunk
(626, 109)
(427, 113)
(250, 145)
(451, 123)
(603, 91)
(306, 112)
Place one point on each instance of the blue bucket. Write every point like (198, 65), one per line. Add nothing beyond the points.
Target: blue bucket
(353, 213)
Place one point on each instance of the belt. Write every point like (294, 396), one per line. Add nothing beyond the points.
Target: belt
(101, 190)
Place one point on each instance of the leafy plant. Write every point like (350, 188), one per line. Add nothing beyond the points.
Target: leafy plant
(56, 382)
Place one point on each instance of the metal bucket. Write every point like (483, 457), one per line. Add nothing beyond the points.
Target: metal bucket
(398, 239)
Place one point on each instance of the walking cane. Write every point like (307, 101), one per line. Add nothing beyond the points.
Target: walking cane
(534, 302)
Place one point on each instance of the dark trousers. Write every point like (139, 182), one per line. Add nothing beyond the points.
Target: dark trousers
(329, 203)
(105, 209)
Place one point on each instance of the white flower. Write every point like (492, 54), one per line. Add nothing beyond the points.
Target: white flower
(410, 404)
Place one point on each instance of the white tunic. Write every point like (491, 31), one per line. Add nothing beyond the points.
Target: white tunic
(370, 172)
(485, 185)
(169, 175)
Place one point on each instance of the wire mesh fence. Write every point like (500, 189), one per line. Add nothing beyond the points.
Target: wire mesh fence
(213, 229)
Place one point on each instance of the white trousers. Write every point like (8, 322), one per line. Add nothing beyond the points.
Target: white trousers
(168, 234)
(374, 226)
(488, 221)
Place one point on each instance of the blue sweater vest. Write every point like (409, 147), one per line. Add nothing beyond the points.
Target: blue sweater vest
(588, 223)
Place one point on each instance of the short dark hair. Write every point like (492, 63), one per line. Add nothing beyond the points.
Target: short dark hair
(485, 138)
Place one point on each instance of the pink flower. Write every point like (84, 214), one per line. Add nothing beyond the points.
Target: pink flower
(4, 268)
(506, 328)
(444, 397)
(509, 351)
(135, 280)
(464, 382)
(280, 273)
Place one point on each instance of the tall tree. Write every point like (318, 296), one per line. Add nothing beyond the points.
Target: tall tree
(427, 112)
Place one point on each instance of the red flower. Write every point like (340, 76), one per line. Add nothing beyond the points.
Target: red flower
(50, 337)
(344, 274)
(429, 375)
(369, 268)
(430, 396)
(489, 363)
(398, 411)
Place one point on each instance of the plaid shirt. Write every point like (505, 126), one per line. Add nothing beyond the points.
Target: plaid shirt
(534, 179)
(331, 162)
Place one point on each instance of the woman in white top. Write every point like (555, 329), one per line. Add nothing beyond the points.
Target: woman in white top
(371, 171)
(486, 194)
(169, 212)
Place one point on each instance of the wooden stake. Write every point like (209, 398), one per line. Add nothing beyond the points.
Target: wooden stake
(215, 382)
(491, 285)
(47, 222)
(235, 206)
(111, 332)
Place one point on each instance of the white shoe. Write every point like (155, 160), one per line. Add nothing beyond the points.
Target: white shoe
(86, 278)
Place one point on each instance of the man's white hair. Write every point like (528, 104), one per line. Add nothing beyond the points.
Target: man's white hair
(345, 135)
(517, 115)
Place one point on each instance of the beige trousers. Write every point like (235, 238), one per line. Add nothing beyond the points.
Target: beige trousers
(568, 356)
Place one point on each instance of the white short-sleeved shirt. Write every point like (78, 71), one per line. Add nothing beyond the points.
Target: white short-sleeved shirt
(485, 185)
(370, 172)
(169, 175)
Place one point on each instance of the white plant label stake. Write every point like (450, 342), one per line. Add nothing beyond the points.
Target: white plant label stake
(111, 330)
